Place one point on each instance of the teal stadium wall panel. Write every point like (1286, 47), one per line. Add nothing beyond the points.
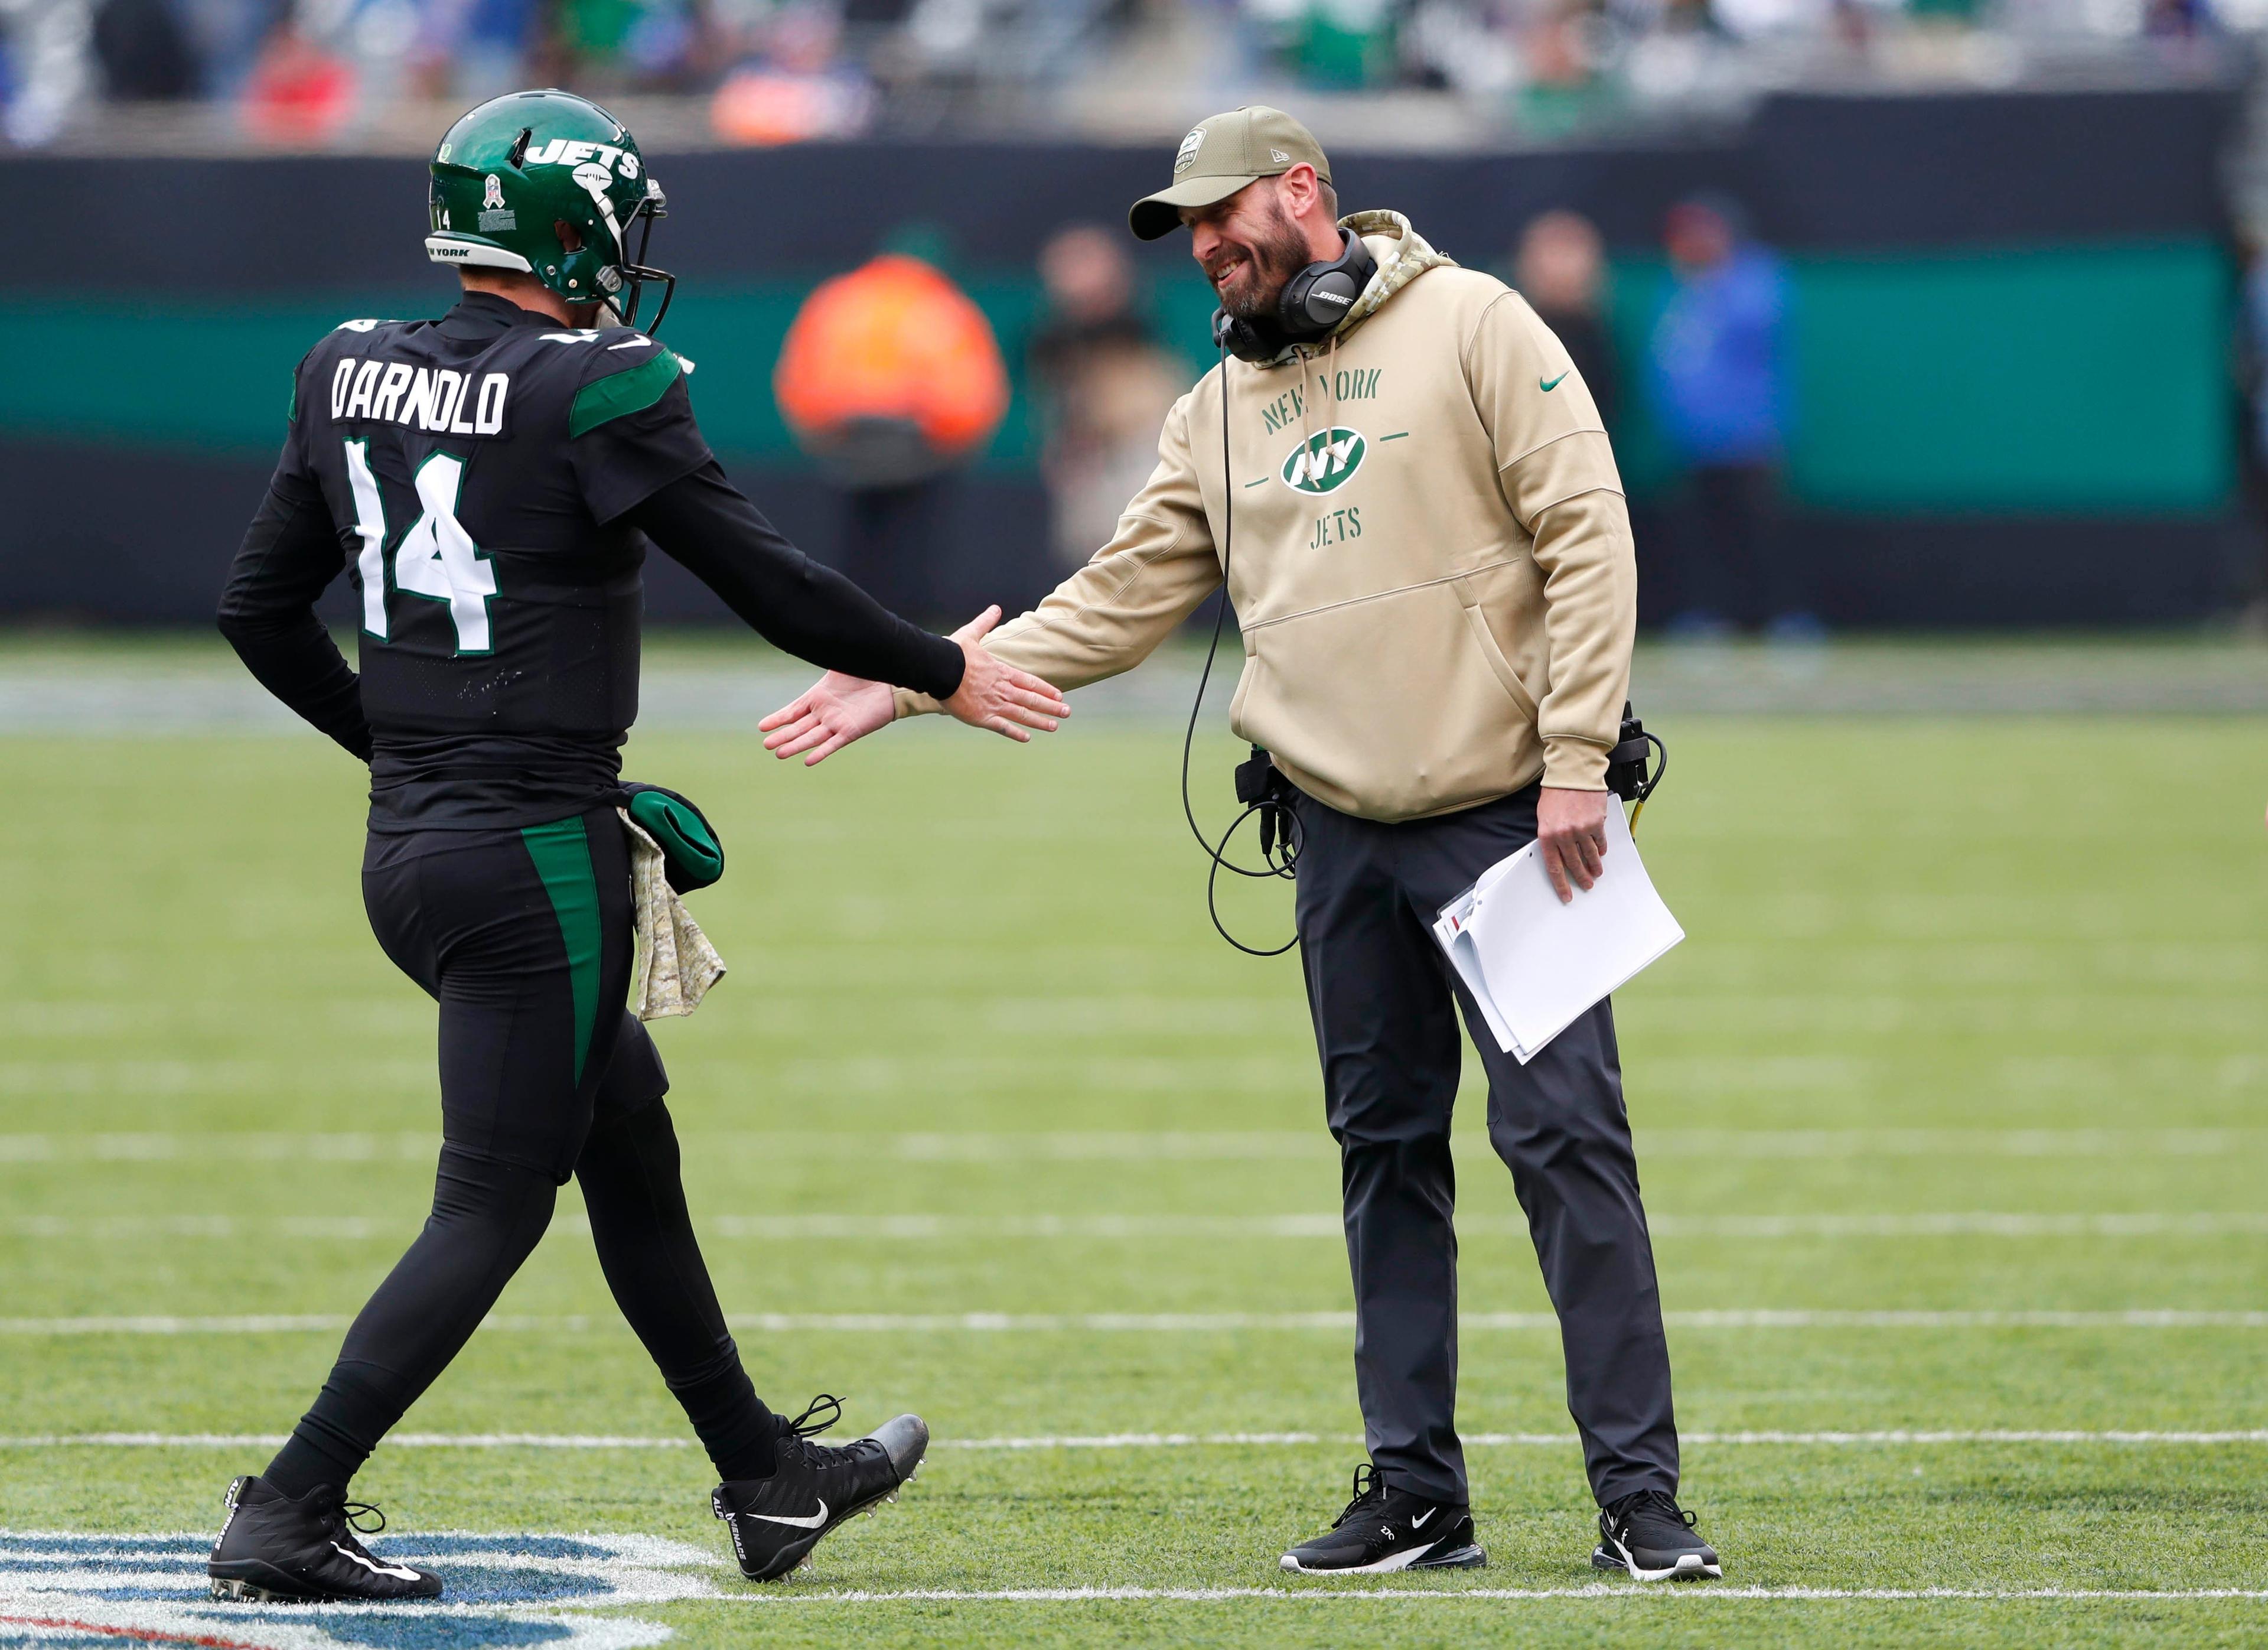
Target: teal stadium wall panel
(2074, 381)
(216, 377)
(2078, 381)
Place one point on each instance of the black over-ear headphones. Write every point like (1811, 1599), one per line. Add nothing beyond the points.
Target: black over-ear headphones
(1312, 303)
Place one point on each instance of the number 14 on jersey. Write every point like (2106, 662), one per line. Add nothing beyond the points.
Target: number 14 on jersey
(435, 558)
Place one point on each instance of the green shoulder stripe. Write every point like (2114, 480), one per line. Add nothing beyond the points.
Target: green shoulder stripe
(633, 390)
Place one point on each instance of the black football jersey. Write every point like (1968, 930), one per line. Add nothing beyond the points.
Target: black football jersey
(477, 469)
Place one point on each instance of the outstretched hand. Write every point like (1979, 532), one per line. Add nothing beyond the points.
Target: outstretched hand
(999, 696)
(838, 710)
(827, 715)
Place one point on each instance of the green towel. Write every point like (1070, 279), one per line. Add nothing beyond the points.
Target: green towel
(691, 853)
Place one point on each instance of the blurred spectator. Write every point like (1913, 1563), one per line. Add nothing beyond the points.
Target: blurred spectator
(1718, 379)
(299, 95)
(2178, 19)
(227, 36)
(470, 50)
(799, 88)
(613, 45)
(1567, 47)
(788, 71)
(2251, 580)
(1103, 386)
(1561, 270)
(145, 51)
(891, 379)
(1772, 17)
(1338, 44)
(47, 67)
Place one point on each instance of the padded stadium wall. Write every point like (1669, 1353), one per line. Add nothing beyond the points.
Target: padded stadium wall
(2013, 320)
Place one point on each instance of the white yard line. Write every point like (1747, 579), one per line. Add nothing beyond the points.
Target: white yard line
(1324, 1594)
(1175, 1146)
(1176, 1323)
(1886, 1438)
(1169, 1227)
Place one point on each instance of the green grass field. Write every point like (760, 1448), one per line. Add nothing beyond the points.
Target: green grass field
(1950, 1109)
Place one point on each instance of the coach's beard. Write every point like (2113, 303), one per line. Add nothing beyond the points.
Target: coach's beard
(1248, 278)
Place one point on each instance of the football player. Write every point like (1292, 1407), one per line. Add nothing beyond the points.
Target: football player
(489, 482)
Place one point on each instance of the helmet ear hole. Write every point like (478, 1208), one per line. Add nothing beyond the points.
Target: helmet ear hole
(571, 239)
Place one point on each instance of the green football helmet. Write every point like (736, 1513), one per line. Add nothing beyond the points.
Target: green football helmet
(507, 174)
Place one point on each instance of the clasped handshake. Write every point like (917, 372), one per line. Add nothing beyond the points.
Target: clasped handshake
(839, 709)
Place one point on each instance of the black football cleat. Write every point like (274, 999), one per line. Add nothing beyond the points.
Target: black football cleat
(777, 1521)
(1384, 1530)
(274, 1549)
(1646, 1534)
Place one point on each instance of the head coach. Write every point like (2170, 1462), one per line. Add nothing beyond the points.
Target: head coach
(1431, 567)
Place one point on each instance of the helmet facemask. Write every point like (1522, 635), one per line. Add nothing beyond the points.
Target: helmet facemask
(635, 274)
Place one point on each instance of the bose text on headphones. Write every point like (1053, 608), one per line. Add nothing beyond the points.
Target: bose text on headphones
(1312, 303)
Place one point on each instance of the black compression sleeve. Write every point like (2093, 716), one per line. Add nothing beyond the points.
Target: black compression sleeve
(267, 612)
(813, 612)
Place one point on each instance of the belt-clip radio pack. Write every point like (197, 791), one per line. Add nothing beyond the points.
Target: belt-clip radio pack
(1636, 752)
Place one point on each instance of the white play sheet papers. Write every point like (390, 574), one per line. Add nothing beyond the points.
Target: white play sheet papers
(1534, 964)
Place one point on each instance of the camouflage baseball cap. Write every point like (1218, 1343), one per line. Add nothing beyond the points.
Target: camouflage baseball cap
(1220, 157)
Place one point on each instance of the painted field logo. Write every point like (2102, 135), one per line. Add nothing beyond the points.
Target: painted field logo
(69, 1590)
(1325, 463)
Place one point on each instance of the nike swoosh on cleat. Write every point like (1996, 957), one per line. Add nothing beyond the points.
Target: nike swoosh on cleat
(812, 1522)
(1418, 1523)
(394, 1570)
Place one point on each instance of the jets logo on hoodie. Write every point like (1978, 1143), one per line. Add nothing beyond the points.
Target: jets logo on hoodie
(1324, 462)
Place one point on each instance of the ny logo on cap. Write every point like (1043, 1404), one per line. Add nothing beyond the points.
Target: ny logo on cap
(1188, 152)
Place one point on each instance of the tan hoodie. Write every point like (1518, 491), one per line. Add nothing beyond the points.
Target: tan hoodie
(1427, 548)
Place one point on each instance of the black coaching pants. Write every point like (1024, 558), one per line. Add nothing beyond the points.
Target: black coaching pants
(1385, 1003)
(524, 938)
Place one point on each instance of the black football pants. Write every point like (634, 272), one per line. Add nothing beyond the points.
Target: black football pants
(525, 940)
(1385, 1003)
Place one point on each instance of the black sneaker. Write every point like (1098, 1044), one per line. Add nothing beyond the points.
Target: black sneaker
(276, 1550)
(1647, 1533)
(1385, 1529)
(777, 1521)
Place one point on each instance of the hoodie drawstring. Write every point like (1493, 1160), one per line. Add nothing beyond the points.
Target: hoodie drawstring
(1330, 388)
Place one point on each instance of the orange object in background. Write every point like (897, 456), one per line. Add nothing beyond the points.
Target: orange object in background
(764, 106)
(894, 342)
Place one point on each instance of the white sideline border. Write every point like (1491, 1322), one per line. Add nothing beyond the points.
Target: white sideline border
(1178, 1322)
(1890, 1437)
(787, 1597)
(1190, 1228)
(1184, 1145)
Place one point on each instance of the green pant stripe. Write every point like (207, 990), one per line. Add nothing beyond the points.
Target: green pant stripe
(562, 853)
